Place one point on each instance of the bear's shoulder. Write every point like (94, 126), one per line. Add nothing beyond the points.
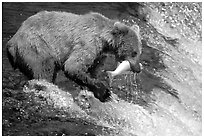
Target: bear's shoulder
(96, 15)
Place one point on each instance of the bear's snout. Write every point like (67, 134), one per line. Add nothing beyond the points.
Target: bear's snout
(135, 66)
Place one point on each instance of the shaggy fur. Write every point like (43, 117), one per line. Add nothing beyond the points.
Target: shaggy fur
(51, 41)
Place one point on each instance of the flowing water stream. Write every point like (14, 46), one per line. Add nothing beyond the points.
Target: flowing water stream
(164, 99)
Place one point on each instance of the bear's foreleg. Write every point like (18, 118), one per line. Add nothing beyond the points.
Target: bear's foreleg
(75, 68)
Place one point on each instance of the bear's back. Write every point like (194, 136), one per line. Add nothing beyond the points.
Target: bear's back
(49, 19)
(58, 32)
(58, 22)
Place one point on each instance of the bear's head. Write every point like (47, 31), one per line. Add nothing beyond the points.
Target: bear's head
(127, 44)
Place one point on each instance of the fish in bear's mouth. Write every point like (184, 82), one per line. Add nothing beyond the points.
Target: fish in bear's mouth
(124, 67)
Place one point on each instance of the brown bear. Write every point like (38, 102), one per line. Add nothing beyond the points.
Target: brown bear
(51, 41)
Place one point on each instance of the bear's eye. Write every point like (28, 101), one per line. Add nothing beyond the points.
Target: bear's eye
(134, 54)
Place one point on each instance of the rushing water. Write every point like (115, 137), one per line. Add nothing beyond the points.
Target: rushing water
(164, 99)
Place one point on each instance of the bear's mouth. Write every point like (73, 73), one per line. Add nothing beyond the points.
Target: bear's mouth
(135, 65)
(125, 67)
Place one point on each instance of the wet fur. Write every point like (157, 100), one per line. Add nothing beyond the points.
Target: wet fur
(51, 41)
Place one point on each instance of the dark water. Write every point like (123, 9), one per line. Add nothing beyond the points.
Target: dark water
(164, 99)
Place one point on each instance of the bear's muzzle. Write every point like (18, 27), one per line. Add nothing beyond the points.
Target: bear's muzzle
(135, 66)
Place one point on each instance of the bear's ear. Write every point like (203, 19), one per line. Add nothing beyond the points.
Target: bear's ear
(120, 28)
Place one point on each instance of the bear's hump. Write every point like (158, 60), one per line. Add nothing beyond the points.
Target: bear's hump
(100, 20)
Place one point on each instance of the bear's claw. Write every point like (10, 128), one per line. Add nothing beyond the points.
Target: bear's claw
(102, 92)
